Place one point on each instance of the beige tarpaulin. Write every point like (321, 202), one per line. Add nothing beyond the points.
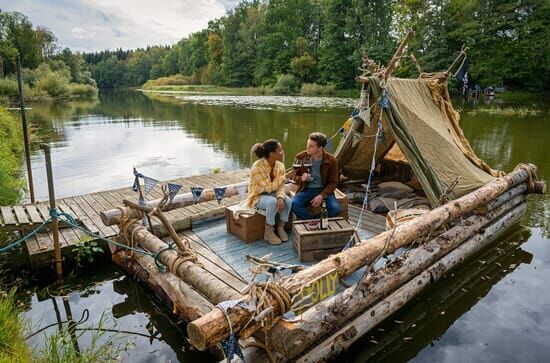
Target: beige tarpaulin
(426, 128)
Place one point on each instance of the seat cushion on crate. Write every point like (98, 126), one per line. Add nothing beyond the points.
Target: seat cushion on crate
(248, 227)
(314, 244)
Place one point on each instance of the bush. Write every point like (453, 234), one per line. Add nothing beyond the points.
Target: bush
(8, 87)
(10, 152)
(54, 84)
(314, 89)
(286, 84)
(174, 80)
(78, 90)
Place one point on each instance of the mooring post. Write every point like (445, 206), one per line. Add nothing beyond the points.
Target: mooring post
(24, 125)
(55, 222)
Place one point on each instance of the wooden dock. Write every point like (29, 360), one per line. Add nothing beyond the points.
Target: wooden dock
(86, 209)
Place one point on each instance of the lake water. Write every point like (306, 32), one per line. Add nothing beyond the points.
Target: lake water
(494, 308)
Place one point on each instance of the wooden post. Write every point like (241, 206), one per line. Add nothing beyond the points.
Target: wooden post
(397, 55)
(55, 222)
(25, 132)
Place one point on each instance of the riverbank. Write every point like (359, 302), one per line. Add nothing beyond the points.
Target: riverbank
(305, 90)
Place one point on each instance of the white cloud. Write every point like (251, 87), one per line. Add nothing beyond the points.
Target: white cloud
(89, 25)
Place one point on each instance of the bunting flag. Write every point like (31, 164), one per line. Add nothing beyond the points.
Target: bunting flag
(196, 192)
(220, 192)
(149, 184)
(242, 190)
(173, 189)
(328, 146)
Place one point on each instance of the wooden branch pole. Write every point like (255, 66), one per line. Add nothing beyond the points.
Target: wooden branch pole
(291, 339)
(213, 327)
(397, 55)
(112, 216)
(191, 273)
(350, 333)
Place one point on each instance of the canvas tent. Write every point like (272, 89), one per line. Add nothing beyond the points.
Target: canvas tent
(420, 119)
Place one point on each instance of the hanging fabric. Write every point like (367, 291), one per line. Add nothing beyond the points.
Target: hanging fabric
(196, 192)
(173, 189)
(363, 106)
(220, 192)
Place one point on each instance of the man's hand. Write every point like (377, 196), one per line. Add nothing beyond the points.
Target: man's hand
(280, 204)
(317, 201)
(305, 177)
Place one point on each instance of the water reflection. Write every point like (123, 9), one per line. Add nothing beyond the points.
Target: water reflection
(445, 318)
(95, 146)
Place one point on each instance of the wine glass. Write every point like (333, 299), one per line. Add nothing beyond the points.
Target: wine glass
(297, 164)
(308, 163)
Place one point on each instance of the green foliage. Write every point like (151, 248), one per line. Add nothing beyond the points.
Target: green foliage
(175, 80)
(314, 89)
(8, 87)
(304, 66)
(10, 153)
(12, 342)
(85, 249)
(54, 84)
(103, 346)
(84, 91)
(286, 84)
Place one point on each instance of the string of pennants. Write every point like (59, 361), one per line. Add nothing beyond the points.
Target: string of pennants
(173, 189)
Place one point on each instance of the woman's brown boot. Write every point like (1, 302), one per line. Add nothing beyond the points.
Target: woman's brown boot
(281, 231)
(270, 236)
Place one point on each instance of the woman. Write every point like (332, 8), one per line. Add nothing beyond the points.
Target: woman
(266, 189)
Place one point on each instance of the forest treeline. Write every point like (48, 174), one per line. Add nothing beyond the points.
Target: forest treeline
(318, 41)
(47, 71)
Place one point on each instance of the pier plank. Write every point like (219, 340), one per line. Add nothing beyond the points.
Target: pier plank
(33, 214)
(21, 215)
(8, 216)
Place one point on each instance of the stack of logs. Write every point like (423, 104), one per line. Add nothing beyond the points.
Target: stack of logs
(471, 222)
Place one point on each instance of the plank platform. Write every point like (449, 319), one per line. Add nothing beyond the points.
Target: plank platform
(86, 210)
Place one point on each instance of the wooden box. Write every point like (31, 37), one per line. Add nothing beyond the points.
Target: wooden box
(314, 244)
(248, 228)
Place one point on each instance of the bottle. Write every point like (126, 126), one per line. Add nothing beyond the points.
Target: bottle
(324, 215)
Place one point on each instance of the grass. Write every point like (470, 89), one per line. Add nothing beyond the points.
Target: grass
(12, 343)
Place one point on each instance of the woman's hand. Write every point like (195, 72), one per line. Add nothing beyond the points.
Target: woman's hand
(280, 204)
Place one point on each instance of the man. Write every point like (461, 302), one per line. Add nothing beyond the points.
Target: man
(317, 184)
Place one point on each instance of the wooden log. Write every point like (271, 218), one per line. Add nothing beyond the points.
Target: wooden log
(213, 327)
(397, 55)
(185, 302)
(112, 216)
(191, 273)
(291, 339)
(540, 187)
(341, 340)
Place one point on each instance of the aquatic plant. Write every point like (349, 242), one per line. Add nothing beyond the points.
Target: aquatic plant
(507, 111)
(12, 343)
(85, 249)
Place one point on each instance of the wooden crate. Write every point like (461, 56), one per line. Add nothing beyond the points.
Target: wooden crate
(248, 228)
(314, 244)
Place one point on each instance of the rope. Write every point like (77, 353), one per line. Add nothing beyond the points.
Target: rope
(531, 176)
(384, 104)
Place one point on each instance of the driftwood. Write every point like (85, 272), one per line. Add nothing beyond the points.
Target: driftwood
(213, 327)
(183, 266)
(112, 216)
(292, 339)
(354, 330)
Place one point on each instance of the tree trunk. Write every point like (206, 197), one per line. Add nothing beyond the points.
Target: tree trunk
(191, 273)
(112, 216)
(292, 339)
(341, 340)
(213, 327)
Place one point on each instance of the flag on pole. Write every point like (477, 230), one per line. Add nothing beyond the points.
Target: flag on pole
(135, 185)
(173, 189)
(220, 192)
(196, 192)
(149, 184)
(144, 218)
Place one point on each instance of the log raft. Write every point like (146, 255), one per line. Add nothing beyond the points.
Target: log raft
(213, 327)
(448, 234)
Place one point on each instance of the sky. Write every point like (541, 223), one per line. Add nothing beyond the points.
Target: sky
(93, 25)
